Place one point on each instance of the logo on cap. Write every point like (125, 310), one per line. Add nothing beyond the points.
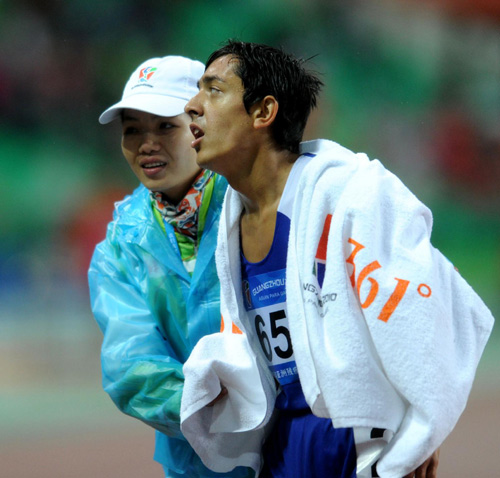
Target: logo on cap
(146, 73)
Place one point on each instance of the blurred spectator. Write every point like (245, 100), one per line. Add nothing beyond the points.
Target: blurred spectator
(467, 159)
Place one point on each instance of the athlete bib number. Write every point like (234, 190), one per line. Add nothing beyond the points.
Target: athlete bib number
(265, 302)
(271, 327)
(276, 331)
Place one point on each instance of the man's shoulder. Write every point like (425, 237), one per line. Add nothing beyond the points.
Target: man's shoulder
(318, 147)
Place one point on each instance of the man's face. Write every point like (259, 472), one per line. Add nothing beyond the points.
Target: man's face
(222, 128)
(158, 149)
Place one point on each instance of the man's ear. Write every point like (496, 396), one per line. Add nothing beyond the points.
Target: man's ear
(264, 112)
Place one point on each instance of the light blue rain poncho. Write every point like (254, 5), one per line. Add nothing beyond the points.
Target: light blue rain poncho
(152, 313)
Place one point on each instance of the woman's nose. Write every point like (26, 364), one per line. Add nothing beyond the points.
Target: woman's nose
(149, 143)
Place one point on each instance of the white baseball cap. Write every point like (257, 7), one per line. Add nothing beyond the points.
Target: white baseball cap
(160, 86)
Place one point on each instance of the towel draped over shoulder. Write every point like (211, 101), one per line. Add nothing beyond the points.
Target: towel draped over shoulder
(386, 333)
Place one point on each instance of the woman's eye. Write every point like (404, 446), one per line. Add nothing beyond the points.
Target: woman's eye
(166, 125)
(129, 130)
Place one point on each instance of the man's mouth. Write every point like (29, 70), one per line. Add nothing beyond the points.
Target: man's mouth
(198, 134)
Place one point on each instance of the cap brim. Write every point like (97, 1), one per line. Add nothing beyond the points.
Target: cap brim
(160, 105)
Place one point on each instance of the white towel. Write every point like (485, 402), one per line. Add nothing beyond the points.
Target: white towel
(412, 373)
(231, 432)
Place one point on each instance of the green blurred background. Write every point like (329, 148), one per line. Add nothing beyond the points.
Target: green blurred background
(413, 83)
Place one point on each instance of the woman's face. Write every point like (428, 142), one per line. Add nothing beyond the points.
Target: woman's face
(158, 149)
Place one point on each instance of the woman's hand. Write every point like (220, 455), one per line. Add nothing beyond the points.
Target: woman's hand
(221, 395)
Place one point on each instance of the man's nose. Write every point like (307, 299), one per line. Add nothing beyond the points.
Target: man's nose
(192, 107)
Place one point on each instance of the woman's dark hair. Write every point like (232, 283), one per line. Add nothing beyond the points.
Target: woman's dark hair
(265, 70)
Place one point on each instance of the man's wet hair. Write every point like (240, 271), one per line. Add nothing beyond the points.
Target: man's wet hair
(265, 70)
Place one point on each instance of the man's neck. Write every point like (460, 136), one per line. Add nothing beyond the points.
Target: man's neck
(263, 184)
(261, 192)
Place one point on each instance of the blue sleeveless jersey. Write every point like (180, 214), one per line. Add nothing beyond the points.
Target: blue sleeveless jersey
(300, 445)
(265, 301)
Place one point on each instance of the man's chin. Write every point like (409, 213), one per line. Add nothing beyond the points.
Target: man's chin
(202, 160)
(208, 161)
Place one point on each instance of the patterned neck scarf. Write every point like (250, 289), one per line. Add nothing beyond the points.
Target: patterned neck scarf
(184, 217)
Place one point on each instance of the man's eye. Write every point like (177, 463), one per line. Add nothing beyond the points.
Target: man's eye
(166, 125)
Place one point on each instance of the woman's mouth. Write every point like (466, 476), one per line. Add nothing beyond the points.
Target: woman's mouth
(152, 168)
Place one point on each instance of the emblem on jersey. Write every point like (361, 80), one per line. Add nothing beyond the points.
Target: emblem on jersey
(314, 293)
(320, 259)
(146, 73)
(246, 294)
